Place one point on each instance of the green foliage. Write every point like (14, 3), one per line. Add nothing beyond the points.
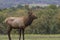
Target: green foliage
(48, 21)
(52, 6)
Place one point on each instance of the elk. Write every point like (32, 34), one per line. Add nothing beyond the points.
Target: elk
(19, 23)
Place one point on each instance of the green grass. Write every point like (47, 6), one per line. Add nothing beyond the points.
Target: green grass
(32, 37)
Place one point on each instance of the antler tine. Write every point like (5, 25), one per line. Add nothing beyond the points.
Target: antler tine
(30, 12)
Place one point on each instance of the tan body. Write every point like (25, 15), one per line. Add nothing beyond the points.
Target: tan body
(15, 22)
(19, 23)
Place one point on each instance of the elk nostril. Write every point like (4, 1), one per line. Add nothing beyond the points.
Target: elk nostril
(35, 17)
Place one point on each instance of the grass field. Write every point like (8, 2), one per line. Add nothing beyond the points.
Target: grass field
(32, 37)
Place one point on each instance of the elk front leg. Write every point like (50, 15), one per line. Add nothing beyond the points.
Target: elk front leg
(23, 33)
(19, 34)
(9, 30)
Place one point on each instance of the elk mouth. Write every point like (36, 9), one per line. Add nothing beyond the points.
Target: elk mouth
(36, 17)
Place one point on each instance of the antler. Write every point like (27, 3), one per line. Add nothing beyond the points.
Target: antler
(30, 12)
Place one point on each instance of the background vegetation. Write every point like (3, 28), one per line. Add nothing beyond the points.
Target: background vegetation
(48, 21)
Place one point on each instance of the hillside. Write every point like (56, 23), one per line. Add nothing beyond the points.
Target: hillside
(10, 3)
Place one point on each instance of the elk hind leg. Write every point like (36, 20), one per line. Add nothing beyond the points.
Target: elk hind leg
(9, 30)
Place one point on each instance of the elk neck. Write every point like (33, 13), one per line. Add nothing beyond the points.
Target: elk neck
(29, 20)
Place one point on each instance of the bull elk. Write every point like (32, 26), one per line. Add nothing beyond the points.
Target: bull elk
(19, 23)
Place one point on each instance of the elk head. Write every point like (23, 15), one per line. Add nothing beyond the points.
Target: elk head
(30, 14)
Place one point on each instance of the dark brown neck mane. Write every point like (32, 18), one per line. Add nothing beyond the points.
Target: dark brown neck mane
(28, 21)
